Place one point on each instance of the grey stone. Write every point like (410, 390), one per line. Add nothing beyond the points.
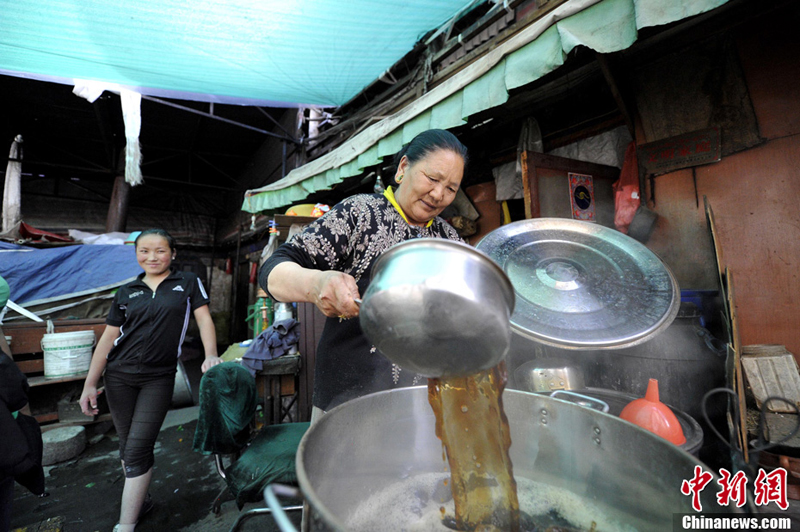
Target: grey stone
(62, 444)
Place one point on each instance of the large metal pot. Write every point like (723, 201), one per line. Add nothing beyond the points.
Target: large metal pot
(438, 308)
(374, 463)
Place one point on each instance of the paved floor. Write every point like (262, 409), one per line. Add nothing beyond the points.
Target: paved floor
(84, 493)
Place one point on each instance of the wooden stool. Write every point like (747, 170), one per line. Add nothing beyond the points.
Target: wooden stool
(279, 378)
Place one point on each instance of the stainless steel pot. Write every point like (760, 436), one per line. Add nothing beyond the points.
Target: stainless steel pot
(438, 308)
(374, 463)
(547, 375)
(616, 401)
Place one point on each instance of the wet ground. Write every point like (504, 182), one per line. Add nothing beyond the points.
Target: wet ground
(84, 493)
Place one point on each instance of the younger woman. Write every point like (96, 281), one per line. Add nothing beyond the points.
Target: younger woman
(139, 352)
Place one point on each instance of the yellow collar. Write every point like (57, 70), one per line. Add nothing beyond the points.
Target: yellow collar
(389, 195)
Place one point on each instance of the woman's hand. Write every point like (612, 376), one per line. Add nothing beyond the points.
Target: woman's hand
(335, 294)
(89, 400)
(210, 362)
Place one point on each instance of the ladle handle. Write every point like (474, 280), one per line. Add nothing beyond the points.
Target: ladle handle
(357, 300)
(603, 404)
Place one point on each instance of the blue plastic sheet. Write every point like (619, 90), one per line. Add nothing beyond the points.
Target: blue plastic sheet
(52, 274)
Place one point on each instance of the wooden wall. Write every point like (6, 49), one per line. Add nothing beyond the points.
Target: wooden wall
(754, 195)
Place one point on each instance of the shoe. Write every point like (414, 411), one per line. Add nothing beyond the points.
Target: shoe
(147, 505)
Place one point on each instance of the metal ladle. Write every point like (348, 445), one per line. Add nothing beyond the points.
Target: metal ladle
(438, 308)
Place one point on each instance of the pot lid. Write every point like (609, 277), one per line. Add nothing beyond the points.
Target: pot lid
(580, 285)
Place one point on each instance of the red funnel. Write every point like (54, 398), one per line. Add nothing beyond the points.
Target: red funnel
(653, 415)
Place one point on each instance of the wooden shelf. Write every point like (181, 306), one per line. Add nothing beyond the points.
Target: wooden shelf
(41, 380)
(100, 418)
(26, 350)
(26, 337)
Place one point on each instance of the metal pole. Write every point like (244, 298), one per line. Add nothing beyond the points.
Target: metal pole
(283, 160)
(215, 117)
(235, 286)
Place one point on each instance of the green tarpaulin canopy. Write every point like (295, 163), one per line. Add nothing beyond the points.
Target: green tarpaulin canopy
(603, 25)
(265, 52)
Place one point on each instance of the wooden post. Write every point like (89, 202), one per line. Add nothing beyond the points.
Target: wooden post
(530, 187)
(117, 218)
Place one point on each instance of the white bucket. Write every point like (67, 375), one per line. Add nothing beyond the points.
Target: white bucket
(67, 353)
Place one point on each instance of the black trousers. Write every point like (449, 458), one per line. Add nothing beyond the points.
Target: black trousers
(138, 404)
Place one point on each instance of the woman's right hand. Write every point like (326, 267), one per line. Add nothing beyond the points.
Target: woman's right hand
(89, 400)
(335, 294)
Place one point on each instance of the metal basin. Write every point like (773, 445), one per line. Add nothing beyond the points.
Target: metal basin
(438, 308)
(374, 463)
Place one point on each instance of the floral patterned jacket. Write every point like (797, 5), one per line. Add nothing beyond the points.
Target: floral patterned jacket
(350, 238)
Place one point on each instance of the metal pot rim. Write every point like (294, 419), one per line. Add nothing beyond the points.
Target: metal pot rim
(444, 243)
(336, 524)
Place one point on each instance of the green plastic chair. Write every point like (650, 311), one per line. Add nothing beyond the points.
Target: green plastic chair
(228, 401)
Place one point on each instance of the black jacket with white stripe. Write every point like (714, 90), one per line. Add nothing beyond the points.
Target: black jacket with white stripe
(153, 324)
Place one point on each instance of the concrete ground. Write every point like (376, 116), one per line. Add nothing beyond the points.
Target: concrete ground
(84, 492)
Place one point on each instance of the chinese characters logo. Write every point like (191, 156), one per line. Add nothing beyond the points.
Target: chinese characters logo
(767, 488)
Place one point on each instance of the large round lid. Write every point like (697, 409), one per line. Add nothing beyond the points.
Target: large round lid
(579, 285)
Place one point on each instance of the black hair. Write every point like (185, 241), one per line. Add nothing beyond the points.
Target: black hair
(425, 143)
(159, 232)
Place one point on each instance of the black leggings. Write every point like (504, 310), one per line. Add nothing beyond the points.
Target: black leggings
(138, 404)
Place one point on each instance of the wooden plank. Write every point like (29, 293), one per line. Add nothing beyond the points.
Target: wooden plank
(530, 187)
(283, 365)
(597, 171)
(773, 376)
(712, 226)
(41, 381)
(759, 242)
(27, 337)
(30, 366)
(48, 417)
(287, 385)
(613, 86)
(89, 420)
(737, 365)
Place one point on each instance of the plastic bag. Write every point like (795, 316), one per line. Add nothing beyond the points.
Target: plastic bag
(626, 191)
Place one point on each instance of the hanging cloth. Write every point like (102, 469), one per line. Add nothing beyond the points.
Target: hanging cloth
(132, 115)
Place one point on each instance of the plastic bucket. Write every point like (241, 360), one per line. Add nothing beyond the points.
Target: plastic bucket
(67, 353)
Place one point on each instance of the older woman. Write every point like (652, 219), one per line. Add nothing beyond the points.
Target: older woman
(330, 262)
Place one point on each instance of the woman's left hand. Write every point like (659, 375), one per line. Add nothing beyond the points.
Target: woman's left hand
(209, 362)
